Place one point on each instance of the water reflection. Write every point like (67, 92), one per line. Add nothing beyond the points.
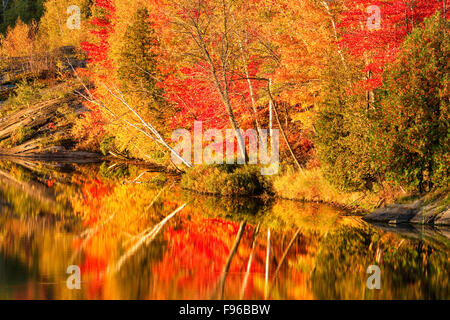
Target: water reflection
(103, 219)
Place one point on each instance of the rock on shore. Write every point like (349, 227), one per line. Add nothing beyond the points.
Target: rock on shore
(436, 212)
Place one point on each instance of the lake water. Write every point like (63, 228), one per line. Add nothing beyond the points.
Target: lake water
(100, 219)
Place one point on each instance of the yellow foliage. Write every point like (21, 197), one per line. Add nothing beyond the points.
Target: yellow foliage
(53, 26)
(306, 118)
(311, 185)
(19, 40)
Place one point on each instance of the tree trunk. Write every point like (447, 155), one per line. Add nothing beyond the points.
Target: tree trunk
(282, 131)
(270, 113)
(223, 91)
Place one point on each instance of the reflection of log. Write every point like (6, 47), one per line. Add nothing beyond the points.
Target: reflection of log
(145, 239)
(284, 257)
(31, 188)
(221, 284)
(266, 285)
(250, 261)
(65, 169)
(30, 165)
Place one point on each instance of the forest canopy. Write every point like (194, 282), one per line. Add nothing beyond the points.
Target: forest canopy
(359, 89)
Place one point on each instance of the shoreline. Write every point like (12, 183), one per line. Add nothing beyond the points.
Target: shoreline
(431, 209)
(424, 211)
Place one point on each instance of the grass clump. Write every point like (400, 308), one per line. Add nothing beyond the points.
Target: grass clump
(22, 135)
(226, 180)
(308, 185)
(311, 185)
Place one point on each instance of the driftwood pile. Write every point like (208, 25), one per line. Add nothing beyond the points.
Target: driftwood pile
(40, 64)
(38, 118)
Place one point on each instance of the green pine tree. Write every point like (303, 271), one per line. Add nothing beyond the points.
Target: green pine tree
(413, 118)
(26, 10)
(138, 65)
(343, 129)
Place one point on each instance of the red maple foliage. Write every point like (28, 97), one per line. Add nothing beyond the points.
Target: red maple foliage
(103, 27)
(196, 97)
(380, 46)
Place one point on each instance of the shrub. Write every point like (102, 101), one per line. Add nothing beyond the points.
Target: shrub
(107, 145)
(26, 94)
(88, 130)
(159, 180)
(225, 180)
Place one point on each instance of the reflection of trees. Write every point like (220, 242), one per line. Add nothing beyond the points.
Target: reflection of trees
(235, 208)
(277, 214)
(197, 252)
(195, 245)
(328, 260)
(410, 269)
(115, 214)
(115, 171)
(136, 279)
(33, 250)
(32, 188)
(340, 267)
(418, 269)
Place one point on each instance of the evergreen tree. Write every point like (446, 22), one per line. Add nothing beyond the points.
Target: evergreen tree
(401, 137)
(135, 51)
(343, 129)
(413, 120)
(138, 66)
(26, 10)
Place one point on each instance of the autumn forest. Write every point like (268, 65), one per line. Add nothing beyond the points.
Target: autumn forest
(224, 149)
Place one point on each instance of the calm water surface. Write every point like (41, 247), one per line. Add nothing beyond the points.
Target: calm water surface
(97, 217)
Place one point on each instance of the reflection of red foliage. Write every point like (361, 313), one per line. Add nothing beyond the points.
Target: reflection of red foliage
(93, 192)
(51, 183)
(198, 252)
(94, 265)
(96, 254)
(94, 269)
(77, 243)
